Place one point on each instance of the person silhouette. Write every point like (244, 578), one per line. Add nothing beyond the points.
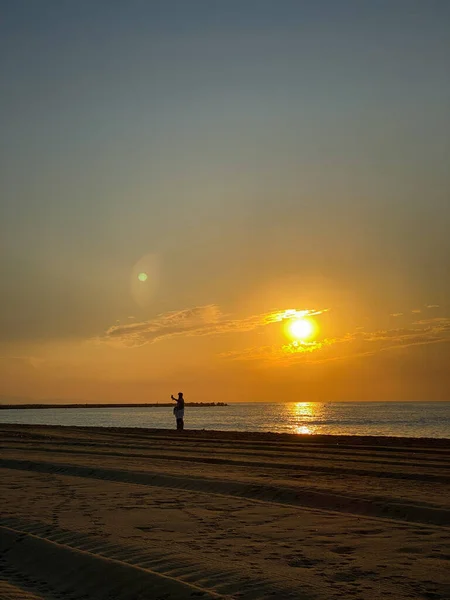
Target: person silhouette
(178, 410)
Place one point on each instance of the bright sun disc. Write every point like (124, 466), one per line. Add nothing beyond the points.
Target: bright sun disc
(301, 329)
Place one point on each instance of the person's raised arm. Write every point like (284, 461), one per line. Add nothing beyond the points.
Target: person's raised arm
(173, 398)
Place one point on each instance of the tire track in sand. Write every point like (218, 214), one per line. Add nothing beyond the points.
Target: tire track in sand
(73, 566)
(252, 491)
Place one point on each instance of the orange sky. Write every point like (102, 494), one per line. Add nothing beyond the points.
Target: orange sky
(213, 356)
(170, 177)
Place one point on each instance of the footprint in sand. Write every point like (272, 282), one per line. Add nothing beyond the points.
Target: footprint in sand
(343, 549)
(303, 562)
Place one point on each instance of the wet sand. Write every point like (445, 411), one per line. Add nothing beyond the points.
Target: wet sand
(107, 513)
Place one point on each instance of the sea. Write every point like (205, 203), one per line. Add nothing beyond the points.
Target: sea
(401, 419)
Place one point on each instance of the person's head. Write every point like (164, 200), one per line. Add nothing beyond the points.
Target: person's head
(180, 395)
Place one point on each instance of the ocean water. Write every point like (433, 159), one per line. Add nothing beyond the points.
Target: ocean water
(405, 419)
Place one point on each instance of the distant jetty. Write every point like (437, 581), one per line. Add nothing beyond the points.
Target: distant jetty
(134, 405)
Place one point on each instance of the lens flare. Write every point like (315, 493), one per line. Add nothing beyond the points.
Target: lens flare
(144, 279)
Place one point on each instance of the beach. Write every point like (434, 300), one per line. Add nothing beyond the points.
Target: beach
(115, 513)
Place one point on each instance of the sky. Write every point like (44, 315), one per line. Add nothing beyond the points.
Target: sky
(180, 182)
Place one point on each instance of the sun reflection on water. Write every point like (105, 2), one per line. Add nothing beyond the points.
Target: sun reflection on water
(303, 429)
(301, 413)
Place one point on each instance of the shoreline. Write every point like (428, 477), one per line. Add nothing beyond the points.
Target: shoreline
(219, 434)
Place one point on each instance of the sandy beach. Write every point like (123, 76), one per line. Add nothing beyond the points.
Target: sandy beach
(157, 514)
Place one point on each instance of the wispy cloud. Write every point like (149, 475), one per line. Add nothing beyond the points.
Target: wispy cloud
(426, 331)
(198, 321)
(396, 315)
(193, 321)
(291, 313)
(434, 323)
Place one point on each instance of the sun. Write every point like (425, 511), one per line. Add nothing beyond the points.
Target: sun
(301, 329)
